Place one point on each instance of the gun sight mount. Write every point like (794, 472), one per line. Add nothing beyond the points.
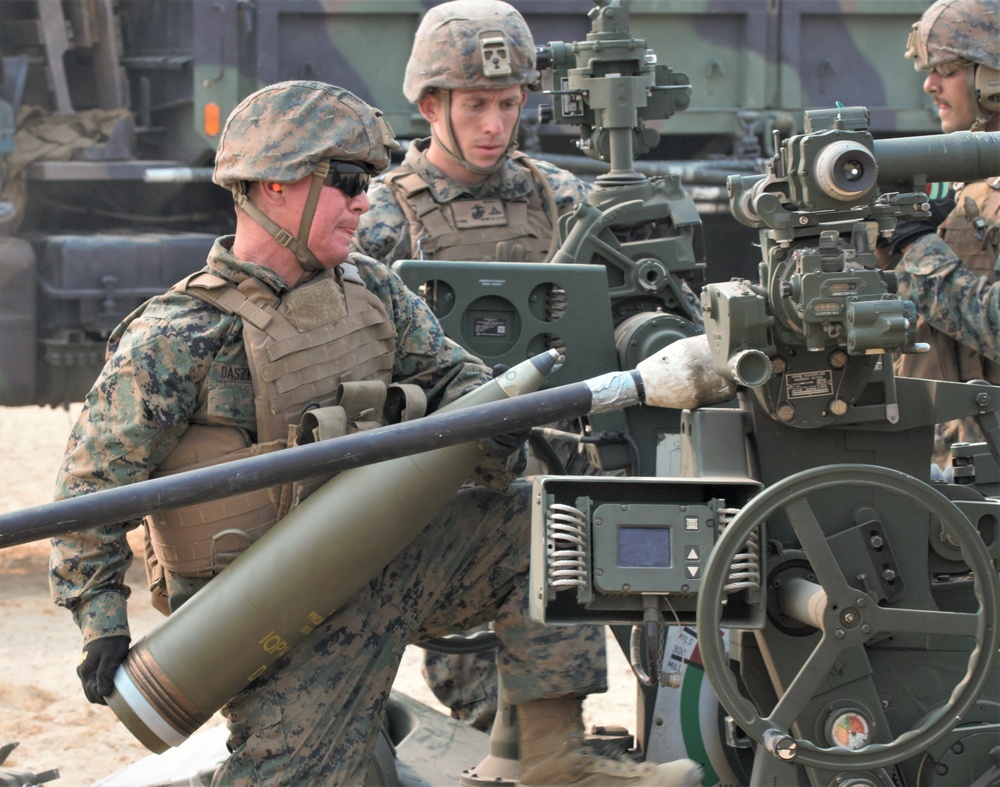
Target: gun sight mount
(812, 336)
(611, 85)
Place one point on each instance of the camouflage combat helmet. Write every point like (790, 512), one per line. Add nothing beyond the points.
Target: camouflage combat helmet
(283, 131)
(966, 32)
(292, 130)
(470, 45)
(957, 30)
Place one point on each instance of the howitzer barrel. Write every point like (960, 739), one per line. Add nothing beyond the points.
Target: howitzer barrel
(961, 156)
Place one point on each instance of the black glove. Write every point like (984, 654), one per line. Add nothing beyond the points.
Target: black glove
(100, 660)
(907, 232)
(503, 445)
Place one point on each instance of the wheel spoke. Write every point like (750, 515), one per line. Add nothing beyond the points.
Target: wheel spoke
(804, 685)
(923, 621)
(852, 613)
(813, 540)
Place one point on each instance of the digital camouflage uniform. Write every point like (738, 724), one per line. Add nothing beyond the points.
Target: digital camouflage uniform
(950, 297)
(972, 232)
(448, 54)
(418, 212)
(313, 717)
(467, 684)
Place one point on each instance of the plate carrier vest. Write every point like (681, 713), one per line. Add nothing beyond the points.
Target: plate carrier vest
(472, 228)
(326, 349)
(972, 230)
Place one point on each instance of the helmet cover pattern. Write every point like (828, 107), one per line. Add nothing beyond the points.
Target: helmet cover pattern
(283, 131)
(470, 45)
(957, 30)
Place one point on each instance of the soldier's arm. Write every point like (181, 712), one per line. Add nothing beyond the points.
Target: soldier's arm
(131, 419)
(567, 188)
(949, 296)
(383, 232)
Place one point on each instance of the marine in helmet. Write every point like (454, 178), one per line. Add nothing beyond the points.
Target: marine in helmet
(224, 364)
(466, 192)
(958, 43)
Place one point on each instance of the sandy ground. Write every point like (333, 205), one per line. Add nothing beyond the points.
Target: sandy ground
(41, 702)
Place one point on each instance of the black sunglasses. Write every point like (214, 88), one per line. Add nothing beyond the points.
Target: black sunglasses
(349, 177)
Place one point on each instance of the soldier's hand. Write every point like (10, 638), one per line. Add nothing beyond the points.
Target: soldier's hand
(98, 663)
(909, 231)
(503, 445)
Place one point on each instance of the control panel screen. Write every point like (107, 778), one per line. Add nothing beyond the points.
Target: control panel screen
(643, 547)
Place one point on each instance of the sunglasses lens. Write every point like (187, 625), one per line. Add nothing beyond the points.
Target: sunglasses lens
(947, 69)
(349, 178)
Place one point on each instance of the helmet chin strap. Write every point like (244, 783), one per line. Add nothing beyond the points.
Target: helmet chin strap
(454, 151)
(297, 245)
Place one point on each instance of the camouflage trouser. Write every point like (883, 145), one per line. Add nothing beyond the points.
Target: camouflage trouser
(965, 430)
(466, 683)
(313, 718)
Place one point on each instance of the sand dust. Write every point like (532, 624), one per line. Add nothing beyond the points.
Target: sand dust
(43, 706)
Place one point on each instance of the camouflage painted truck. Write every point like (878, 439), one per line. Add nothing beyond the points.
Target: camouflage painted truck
(106, 197)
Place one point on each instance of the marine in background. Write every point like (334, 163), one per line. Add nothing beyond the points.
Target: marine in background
(467, 193)
(958, 43)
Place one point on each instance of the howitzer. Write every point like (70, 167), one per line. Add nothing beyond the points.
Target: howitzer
(823, 311)
(843, 578)
(170, 683)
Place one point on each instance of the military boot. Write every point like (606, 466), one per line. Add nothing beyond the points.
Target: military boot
(552, 753)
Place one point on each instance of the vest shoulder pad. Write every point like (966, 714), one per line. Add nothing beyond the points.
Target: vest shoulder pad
(199, 280)
(406, 180)
(211, 289)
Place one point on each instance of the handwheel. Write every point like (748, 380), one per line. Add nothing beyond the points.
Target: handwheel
(866, 620)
